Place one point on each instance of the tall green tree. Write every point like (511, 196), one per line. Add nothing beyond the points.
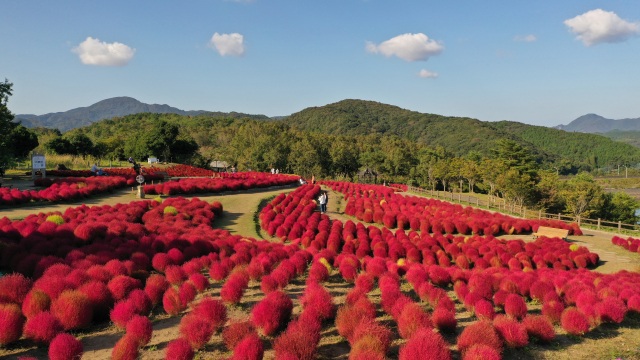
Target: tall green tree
(344, 157)
(15, 139)
(582, 195)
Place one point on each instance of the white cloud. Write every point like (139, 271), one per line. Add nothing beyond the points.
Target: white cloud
(95, 52)
(408, 47)
(427, 74)
(599, 26)
(228, 44)
(525, 38)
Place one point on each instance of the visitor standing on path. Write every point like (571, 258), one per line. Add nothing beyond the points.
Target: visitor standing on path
(323, 202)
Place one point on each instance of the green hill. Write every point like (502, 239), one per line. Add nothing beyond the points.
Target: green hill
(458, 135)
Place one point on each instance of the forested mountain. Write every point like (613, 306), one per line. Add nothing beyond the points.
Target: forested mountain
(593, 123)
(462, 135)
(578, 148)
(109, 108)
(458, 135)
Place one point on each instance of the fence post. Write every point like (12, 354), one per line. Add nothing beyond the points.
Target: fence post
(578, 220)
(558, 216)
(619, 226)
(598, 227)
(539, 214)
(460, 197)
(477, 202)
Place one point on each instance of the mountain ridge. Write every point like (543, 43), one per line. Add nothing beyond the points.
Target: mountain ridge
(109, 108)
(594, 123)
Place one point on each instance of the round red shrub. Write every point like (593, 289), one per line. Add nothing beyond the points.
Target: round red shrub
(199, 281)
(14, 288)
(73, 309)
(171, 302)
(515, 306)
(122, 312)
(539, 328)
(611, 310)
(212, 310)
(553, 310)
(480, 332)
(317, 298)
(187, 293)
(412, 318)
(574, 322)
(35, 302)
(371, 328)
(272, 312)
(484, 310)
(249, 348)
(197, 330)
(42, 327)
(140, 329)
(179, 349)
(481, 352)
(11, 322)
(425, 344)
(175, 274)
(297, 342)
(121, 285)
(512, 332)
(141, 302)
(127, 348)
(65, 347)
(444, 319)
(235, 332)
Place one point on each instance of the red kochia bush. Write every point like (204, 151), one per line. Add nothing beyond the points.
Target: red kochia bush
(249, 348)
(171, 302)
(234, 287)
(235, 332)
(14, 288)
(65, 347)
(481, 352)
(197, 330)
(319, 300)
(574, 322)
(412, 318)
(272, 312)
(179, 349)
(212, 310)
(140, 329)
(299, 341)
(539, 327)
(35, 302)
(515, 306)
(42, 327)
(425, 344)
(122, 313)
(73, 309)
(444, 319)
(127, 348)
(121, 285)
(611, 309)
(373, 329)
(11, 322)
(480, 332)
(512, 332)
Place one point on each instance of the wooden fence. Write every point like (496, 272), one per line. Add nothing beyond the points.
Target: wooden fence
(495, 203)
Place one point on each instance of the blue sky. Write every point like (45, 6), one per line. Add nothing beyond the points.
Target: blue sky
(538, 62)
